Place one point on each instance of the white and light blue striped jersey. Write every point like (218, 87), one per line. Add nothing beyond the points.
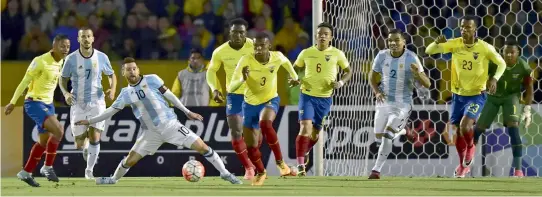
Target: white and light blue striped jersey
(147, 102)
(397, 79)
(85, 74)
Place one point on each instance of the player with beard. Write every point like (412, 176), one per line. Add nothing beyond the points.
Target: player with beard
(84, 68)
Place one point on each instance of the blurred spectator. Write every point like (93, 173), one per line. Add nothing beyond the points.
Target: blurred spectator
(128, 48)
(140, 10)
(34, 42)
(255, 7)
(186, 29)
(119, 5)
(260, 26)
(69, 29)
(191, 83)
(193, 7)
(203, 39)
(131, 28)
(302, 43)
(212, 22)
(284, 37)
(111, 18)
(101, 35)
(86, 7)
(149, 39)
(38, 14)
(12, 28)
(169, 40)
(267, 14)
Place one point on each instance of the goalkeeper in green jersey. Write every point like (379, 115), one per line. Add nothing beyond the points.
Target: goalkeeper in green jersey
(508, 94)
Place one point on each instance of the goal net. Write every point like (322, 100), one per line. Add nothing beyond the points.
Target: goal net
(361, 28)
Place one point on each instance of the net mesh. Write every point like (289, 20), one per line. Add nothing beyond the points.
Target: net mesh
(361, 27)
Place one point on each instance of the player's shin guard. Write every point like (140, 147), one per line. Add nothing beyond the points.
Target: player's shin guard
(383, 151)
(93, 152)
(121, 170)
(301, 146)
(517, 148)
(34, 158)
(52, 145)
(214, 159)
(461, 147)
(256, 158)
(271, 137)
(240, 148)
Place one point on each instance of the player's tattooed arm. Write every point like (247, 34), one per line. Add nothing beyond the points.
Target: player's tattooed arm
(420, 76)
(347, 75)
(373, 79)
(177, 103)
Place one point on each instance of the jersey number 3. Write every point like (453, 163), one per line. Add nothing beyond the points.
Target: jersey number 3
(467, 65)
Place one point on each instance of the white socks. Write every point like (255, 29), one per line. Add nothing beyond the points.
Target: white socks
(121, 170)
(212, 157)
(93, 152)
(383, 152)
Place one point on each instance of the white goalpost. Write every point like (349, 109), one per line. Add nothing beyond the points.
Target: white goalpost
(346, 146)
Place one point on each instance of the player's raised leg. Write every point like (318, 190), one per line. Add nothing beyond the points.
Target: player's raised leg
(390, 120)
(235, 123)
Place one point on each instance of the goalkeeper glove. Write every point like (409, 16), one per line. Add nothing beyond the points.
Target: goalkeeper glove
(526, 116)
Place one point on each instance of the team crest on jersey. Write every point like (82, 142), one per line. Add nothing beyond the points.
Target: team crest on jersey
(387, 65)
(272, 69)
(475, 55)
(80, 66)
(515, 76)
(401, 65)
(328, 57)
(144, 86)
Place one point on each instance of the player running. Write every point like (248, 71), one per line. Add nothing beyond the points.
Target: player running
(507, 96)
(148, 97)
(84, 68)
(320, 63)
(394, 95)
(41, 79)
(227, 55)
(259, 72)
(470, 58)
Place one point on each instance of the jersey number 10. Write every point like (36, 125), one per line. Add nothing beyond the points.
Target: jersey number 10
(140, 94)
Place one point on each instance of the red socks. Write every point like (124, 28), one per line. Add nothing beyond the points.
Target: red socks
(301, 146)
(271, 136)
(256, 157)
(52, 145)
(469, 138)
(34, 158)
(240, 148)
(461, 146)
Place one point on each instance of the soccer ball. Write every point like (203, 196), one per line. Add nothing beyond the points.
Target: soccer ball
(193, 171)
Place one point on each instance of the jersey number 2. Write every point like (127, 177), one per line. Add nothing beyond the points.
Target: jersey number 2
(467, 65)
(393, 73)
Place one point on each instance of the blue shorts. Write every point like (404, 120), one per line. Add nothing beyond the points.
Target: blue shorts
(470, 106)
(314, 108)
(234, 104)
(39, 111)
(252, 112)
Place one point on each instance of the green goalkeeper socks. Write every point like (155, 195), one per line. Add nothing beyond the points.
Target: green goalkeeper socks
(517, 149)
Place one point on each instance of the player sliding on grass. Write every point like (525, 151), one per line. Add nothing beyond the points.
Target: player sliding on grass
(41, 79)
(470, 58)
(399, 69)
(259, 72)
(507, 96)
(320, 64)
(148, 97)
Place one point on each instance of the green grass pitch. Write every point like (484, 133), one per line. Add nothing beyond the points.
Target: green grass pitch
(275, 186)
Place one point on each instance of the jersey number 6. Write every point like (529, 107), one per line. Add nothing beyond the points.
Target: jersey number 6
(318, 68)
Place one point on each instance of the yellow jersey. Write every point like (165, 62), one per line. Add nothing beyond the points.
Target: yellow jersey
(261, 85)
(320, 70)
(469, 64)
(41, 79)
(228, 57)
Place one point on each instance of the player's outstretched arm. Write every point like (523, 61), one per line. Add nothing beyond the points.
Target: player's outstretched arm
(110, 111)
(497, 59)
(239, 75)
(440, 45)
(33, 70)
(294, 78)
(177, 103)
(214, 66)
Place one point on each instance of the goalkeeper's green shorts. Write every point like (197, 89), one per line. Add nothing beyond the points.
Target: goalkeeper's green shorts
(510, 110)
